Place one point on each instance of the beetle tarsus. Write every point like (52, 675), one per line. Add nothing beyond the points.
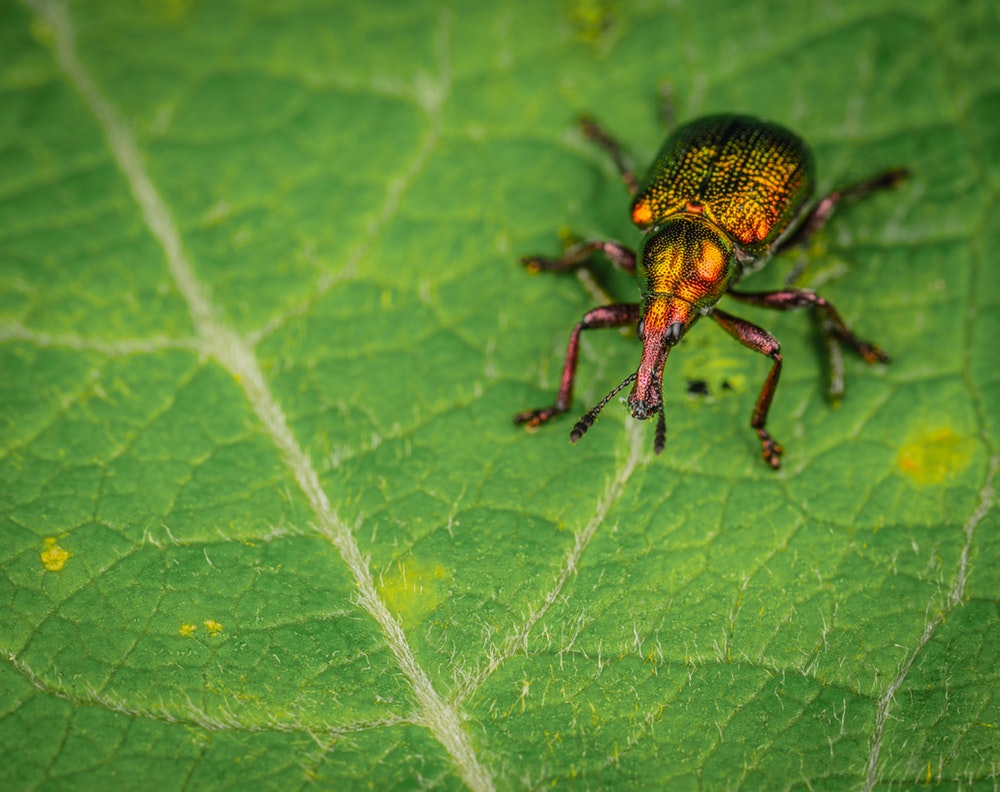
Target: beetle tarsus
(872, 354)
(770, 450)
(891, 178)
(535, 264)
(533, 418)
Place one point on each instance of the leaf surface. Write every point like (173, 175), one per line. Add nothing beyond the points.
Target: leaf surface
(265, 519)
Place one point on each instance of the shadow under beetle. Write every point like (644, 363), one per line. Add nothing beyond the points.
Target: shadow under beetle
(724, 195)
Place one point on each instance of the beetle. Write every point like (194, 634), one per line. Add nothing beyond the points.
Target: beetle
(724, 195)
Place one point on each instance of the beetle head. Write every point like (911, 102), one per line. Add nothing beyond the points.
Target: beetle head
(686, 267)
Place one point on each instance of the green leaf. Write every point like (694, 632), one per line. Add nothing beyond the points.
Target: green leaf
(265, 519)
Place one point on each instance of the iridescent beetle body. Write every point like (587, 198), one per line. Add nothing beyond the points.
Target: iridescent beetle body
(724, 194)
(748, 178)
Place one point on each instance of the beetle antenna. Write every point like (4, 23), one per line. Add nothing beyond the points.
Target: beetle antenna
(588, 420)
(660, 439)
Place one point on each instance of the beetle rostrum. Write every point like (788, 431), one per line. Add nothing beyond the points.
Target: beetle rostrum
(724, 195)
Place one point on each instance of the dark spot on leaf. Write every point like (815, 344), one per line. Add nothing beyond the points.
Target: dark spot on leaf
(697, 387)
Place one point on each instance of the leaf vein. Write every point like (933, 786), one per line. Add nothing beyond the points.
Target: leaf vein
(987, 500)
(233, 352)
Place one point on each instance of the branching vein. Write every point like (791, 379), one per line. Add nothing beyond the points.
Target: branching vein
(518, 639)
(12, 331)
(987, 500)
(223, 343)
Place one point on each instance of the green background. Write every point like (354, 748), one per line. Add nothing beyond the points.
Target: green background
(264, 519)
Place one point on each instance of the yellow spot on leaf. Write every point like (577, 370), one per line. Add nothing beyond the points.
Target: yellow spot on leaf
(413, 590)
(169, 10)
(934, 456)
(213, 627)
(41, 32)
(592, 18)
(187, 630)
(54, 557)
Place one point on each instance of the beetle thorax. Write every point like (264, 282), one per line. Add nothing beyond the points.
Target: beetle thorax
(688, 258)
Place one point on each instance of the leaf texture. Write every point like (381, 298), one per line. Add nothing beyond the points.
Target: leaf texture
(265, 520)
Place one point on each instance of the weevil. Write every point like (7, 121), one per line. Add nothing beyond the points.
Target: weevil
(724, 195)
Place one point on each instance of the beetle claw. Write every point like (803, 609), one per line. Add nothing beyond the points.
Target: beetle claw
(872, 354)
(534, 264)
(770, 450)
(533, 418)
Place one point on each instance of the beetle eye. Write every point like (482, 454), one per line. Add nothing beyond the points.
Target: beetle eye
(641, 329)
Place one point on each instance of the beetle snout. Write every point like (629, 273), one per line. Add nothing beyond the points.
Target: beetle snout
(646, 398)
(643, 408)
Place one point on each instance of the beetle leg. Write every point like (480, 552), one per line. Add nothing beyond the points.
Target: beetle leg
(606, 316)
(667, 115)
(832, 326)
(815, 220)
(576, 255)
(596, 132)
(759, 340)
